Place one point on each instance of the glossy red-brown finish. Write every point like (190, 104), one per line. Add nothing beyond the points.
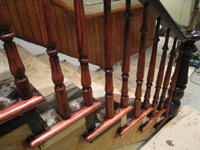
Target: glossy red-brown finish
(19, 108)
(173, 82)
(152, 120)
(160, 74)
(160, 123)
(50, 40)
(167, 75)
(83, 50)
(16, 66)
(108, 60)
(152, 66)
(135, 121)
(59, 127)
(141, 64)
(126, 56)
(108, 123)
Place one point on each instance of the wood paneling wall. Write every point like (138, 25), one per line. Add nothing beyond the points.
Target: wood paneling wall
(26, 25)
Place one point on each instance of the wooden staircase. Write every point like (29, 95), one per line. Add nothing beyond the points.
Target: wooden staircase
(81, 114)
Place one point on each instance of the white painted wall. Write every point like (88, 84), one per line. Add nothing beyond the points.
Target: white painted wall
(180, 10)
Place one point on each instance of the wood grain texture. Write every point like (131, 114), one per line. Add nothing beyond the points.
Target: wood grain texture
(141, 64)
(161, 122)
(19, 108)
(97, 131)
(152, 66)
(15, 18)
(83, 50)
(152, 120)
(64, 21)
(16, 66)
(17, 139)
(34, 24)
(126, 56)
(23, 15)
(160, 74)
(108, 51)
(50, 40)
(133, 123)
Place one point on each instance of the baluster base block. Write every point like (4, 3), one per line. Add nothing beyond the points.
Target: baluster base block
(134, 122)
(152, 120)
(12, 106)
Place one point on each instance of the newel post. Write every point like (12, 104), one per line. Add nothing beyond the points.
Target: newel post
(182, 80)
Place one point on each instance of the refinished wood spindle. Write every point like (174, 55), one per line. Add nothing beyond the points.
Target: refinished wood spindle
(173, 82)
(16, 66)
(108, 60)
(168, 74)
(50, 40)
(126, 56)
(141, 64)
(152, 66)
(83, 52)
(160, 74)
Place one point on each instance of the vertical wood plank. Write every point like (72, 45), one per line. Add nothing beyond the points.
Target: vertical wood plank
(89, 31)
(17, 68)
(21, 8)
(12, 26)
(101, 38)
(59, 44)
(37, 12)
(97, 41)
(15, 17)
(33, 22)
(62, 31)
(91, 41)
(69, 35)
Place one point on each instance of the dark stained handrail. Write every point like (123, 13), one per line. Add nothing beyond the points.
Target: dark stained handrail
(156, 9)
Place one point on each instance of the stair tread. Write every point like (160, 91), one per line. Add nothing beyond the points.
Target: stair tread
(38, 73)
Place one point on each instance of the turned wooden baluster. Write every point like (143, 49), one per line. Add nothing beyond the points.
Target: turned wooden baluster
(160, 74)
(16, 66)
(50, 40)
(108, 60)
(188, 48)
(173, 82)
(168, 75)
(126, 56)
(141, 64)
(83, 52)
(152, 66)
